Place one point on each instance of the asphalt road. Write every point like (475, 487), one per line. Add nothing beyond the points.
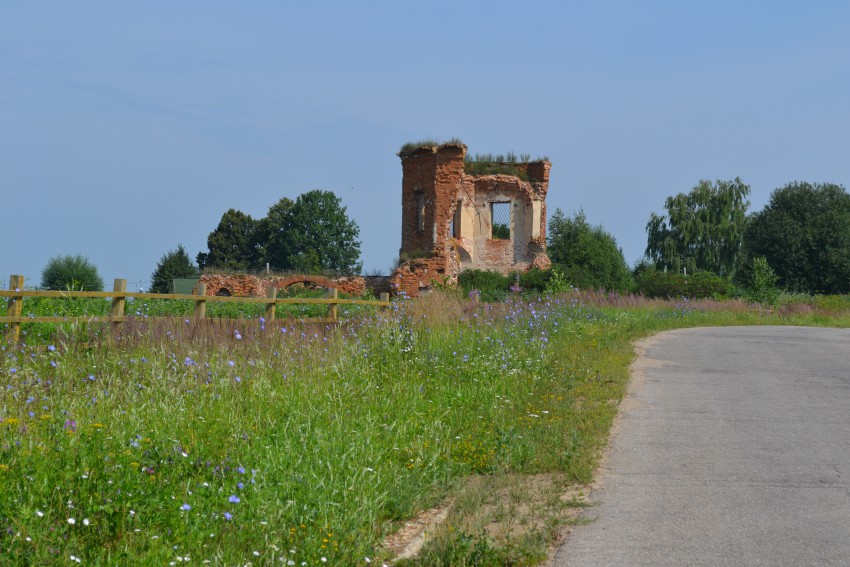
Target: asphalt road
(731, 448)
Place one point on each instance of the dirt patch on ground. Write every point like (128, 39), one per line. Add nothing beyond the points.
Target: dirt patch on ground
(509, 510)
(406, 542)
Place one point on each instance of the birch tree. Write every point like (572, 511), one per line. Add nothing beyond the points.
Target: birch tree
(702, 230)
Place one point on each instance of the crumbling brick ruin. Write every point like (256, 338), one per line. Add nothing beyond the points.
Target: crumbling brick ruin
(453, 220)
(245, 285)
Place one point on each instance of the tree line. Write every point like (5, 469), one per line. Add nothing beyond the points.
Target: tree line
(312, 234)
(799, 242)
(802, 235)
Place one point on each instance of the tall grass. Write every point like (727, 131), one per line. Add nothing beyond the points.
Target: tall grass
(237, 441)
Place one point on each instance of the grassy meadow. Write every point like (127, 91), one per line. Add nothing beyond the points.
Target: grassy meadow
(241, 442)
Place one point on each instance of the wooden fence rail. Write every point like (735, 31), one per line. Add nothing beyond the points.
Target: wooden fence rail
(119, 294)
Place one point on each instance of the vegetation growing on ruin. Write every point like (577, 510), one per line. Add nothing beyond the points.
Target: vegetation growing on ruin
(499, 164)
(428, 143)
(480, 164)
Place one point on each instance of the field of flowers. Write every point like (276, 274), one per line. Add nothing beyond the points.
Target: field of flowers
(236, 442)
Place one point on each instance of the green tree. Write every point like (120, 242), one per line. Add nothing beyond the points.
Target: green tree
(173, 264)
(268, 238)
(762, 283)
(804, 234)
(232, 245)
(703, 229)
(312, 234)
(588, 256)
(71, 272)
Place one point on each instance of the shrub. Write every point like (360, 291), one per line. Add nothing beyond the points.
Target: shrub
(558, 282)
(71, 272)
(762, 287)
(535, 280)
(589, 256)
(832, 303)
(493, 286)
(654, 283)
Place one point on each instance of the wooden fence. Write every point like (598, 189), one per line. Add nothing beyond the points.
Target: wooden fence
(119, 294)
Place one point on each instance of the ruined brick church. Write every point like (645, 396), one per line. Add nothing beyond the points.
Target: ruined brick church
(453, 220)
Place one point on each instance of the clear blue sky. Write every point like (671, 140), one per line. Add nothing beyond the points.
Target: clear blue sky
(127, 128)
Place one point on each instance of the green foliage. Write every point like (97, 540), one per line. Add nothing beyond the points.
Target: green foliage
(558, 281)
(493, 168)
(762, 285)
(71, 272)
(504, 164)
(508, 158)
(551, 281)
(832, 303)
(501, 231)
(804, 233)
(232, 245)
(463, 549)
(173, 264)
(656, 283)
(535, 280)
(588, 256)
(492, 286)
(703, 229)
(312, 234)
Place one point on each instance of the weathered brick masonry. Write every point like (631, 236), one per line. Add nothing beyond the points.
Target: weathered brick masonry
(447, 218)
(243, 285)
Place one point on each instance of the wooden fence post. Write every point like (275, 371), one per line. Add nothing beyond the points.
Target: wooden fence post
(119, 286)
(201, 304)
(271, 293)
(333, 312)
(15, 307)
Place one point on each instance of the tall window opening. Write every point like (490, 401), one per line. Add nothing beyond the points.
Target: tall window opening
(454, 224)
(420, 211)
(500, 215)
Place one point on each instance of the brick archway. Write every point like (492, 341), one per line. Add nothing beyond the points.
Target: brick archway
(291, 280)
(243, 285)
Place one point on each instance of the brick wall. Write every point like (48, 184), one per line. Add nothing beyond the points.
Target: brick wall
(243, 285)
